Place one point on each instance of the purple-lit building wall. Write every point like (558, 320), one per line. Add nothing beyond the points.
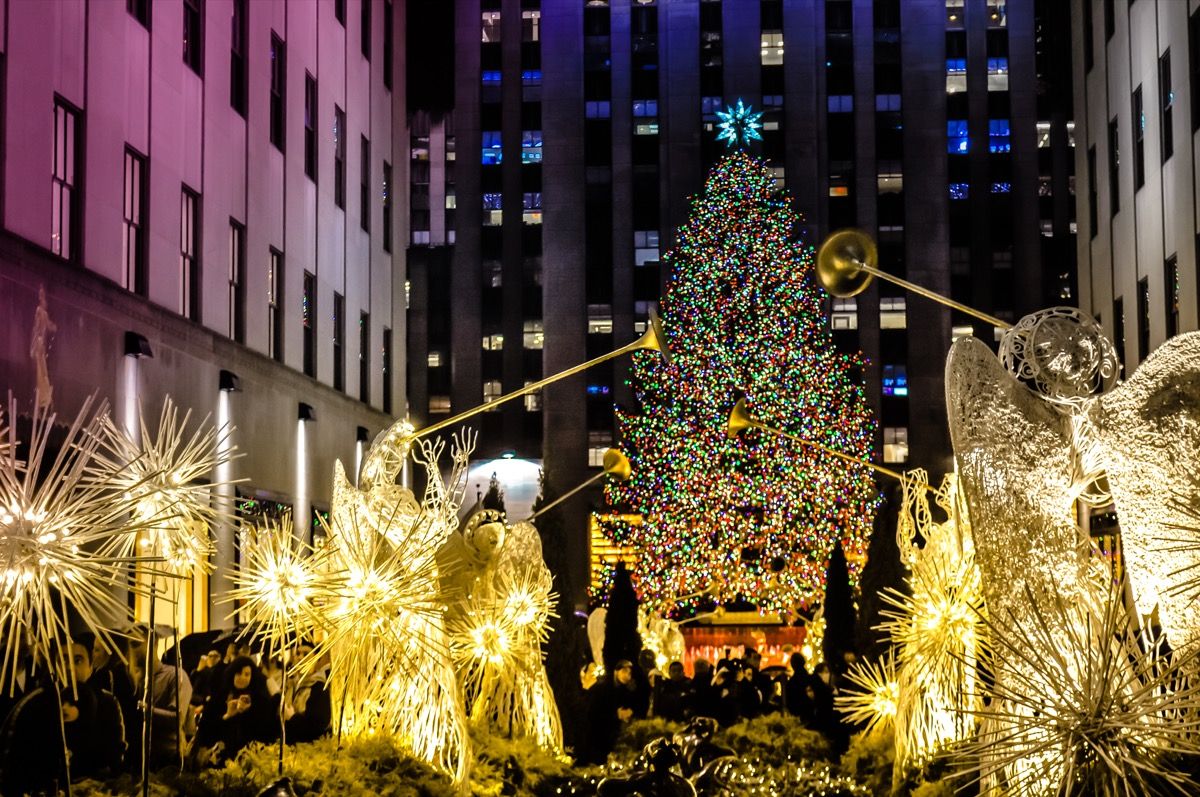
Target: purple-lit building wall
(213, 176)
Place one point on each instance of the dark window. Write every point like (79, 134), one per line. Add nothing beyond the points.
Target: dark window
(339, 342)
(189, 253)
(237, 58)
(1166, 99)
(1194, 66)
(1110, 19)
(237, 281)
(366, 29)
(193, 35)
(308, 318)
(278, 82)
(387, 370)
(1139, 140)
(339, 11)
(140, 10)
(275, 305)
(1143, 300)
(387, 44)
(64, 190)
(1171, 287)
(1114, 173)
(133, 242)
(310, 126)
(364, 186)
(387, 206)
(1093, 195)
(1119, 330)
(339, 157)
(364, 357)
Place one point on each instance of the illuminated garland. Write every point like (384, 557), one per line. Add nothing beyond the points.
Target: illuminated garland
(743, 315)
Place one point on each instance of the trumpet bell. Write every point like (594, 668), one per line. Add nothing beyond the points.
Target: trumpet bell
(654, 339)
(739, 420)
(616, 464)
(840, 262)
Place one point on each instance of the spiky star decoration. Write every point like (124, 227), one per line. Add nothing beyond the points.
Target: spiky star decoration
(282, 586)
(937, 624)
(496, 636)
(61, 507)
(168, 475)
(873, 695)
(1100, 714)
(739, 125)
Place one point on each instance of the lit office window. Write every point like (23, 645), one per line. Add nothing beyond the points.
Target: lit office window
(771, 49)
(493, 213)
(957, 140)
(997, 74)
(892, 312)
(531, 23)
(599, 319)
(531, 146)
(844, 314)
(999, 136)
(531, 207)
(490, 25)
(956, 75)
(895, 444)
(491, 147)
(533, 337)
(645, 247)
(895, 380)
(492, 390)
(598, 443)
(493, 342)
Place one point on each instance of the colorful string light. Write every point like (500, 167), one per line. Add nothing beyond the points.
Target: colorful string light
(743, 316)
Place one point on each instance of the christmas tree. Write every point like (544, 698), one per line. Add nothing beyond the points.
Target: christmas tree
(757, 514)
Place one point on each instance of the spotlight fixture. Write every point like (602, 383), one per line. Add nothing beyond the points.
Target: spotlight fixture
(306, 412)
(229, 381)
(361, 435)
(137, 346)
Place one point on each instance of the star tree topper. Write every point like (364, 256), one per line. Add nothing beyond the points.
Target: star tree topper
(739, 125)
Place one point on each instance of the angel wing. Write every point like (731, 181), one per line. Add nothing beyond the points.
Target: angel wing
(1148, 430)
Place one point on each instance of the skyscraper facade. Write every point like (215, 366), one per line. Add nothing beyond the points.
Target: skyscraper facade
(580, 129)
(201, 196)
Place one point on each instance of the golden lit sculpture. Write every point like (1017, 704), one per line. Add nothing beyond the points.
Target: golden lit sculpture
(661, 635)
(390, 666)
(937, 625)
(60, 510)
(282, 586)
(873, 696)
(497, 629)
(168, 476)
(1148, 430)
(1090, 712)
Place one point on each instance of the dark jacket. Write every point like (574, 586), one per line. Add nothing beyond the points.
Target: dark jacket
(259, 723)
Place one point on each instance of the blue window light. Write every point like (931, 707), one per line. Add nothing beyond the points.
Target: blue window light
(895, 380)
(999, 136)
(491, 147)
(957, 141)
(960, 190)
(956, 66)
(491, 76)
(1001, 188)
(531, 77)
(597, 390)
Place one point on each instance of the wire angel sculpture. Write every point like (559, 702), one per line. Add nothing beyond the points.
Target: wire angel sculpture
(390, 667)
(937, 624)
(497, 629)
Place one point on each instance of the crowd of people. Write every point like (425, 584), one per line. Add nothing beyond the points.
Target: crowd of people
(198, 718)
(733, 690)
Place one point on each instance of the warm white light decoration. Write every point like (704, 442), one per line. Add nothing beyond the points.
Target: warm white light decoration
(873, 696)
(498, 619)
(282, 586)
(661, 635)
(936, 625)
(168, 476)
(390, 665)
(61, 507)
(1098, 715)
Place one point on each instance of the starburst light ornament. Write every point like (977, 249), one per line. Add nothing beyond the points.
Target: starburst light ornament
(61, 507)
(282, 586)
(873, 696)
(739, 125)
(167, 476)
(497, 629)
(390, 665)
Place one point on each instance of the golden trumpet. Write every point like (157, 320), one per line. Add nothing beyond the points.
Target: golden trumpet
(848, 261)
(652, 340)
(616, 465)
(740, 420)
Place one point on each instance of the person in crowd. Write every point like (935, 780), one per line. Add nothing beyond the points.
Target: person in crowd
(169, 699)
(615, 703)
(589, 734)
(110, 674)
(725, 701)
(205, 677)
(240, 712)
(309, 711)
(21, 683)
(749, 698)
(703, 694)
(647, 675)
(799, 694)
(33, 756)
(674, 695)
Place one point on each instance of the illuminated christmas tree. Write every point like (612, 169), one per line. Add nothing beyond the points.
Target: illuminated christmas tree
(758, 514)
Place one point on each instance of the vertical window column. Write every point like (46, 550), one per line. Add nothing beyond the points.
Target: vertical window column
(339, 157)
(133, 239)
(238, 74)
(275, 305)
(189, 253)
(64, 196)
(364, 187)
(308, 309)
(278, 91)
(364, 357)
(339, 342)
(237, 281)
